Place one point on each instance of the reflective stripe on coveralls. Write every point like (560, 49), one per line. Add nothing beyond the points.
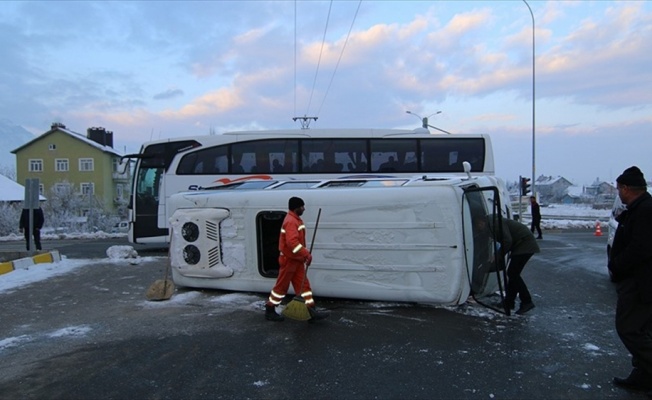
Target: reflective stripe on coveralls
(276, 298)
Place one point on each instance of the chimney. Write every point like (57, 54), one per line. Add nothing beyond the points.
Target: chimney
(100, 135)
(56, 125)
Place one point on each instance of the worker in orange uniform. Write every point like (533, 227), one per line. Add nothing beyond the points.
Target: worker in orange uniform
(294, 259)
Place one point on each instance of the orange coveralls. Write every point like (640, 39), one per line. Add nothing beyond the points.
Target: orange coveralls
(294, 255)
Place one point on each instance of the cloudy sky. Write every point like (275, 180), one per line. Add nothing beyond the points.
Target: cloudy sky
(151, 70)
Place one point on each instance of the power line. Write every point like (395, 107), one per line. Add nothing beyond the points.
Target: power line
(340, 58)
(321, 51)
(305, 119)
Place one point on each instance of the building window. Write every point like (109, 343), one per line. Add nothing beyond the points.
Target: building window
(87, 188)
(62, 188)
(36, 165)
(119, 192)
(52, 147)
(40, 189)
(86, 164)
(61, 165)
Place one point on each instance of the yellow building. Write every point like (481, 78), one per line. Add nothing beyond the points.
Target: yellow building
(64, 160)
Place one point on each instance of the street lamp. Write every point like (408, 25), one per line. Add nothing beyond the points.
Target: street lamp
(424, 121)
(533, 104)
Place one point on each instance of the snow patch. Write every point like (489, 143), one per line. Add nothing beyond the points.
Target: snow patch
(591, 347)
(236, 299)
(80, 330)
(22, 277)
(177, 299)
(123, 253)
(13, 341)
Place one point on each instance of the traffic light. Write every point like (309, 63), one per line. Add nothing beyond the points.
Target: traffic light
(525, 186)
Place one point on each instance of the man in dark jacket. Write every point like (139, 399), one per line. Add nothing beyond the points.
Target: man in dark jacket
(521, 244)
(37, 225)
(630, 263)
(536, 216)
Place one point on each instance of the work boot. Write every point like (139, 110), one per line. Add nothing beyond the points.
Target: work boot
(525, 307)
(504, 305)
(637, 380)
(271, 315)
(316, 315)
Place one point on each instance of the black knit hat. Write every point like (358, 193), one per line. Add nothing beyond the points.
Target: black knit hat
(632, 176)
(295, 202)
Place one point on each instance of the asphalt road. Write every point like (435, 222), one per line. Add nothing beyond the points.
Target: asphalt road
(90, 334)
(86, 248)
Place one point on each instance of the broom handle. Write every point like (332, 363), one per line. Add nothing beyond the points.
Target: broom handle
(312, 242)
(314, 233)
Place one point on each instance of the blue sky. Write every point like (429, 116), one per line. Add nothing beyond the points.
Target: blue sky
(152, 70)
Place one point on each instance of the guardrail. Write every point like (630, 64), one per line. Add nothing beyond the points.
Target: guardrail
(567, 217)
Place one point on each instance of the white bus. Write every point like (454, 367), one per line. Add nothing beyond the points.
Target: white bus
(386, 239)
(166, 167)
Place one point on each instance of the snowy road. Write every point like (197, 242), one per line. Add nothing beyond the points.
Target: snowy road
(90, 333)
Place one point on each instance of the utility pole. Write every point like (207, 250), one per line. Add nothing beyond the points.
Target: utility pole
(425, 124)
(305, 121)
(533, 104)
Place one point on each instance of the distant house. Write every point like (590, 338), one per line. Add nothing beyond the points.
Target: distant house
(552, 189)
(62, 159)
(573, 195)
(601, 188)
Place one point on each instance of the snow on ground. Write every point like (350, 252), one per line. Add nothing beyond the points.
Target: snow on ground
(72, 235)
(574, 210)
(24, 276)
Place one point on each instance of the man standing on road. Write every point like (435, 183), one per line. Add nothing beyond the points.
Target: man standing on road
(294, 258)
(536, 216)
(630, 263)
(37, 226)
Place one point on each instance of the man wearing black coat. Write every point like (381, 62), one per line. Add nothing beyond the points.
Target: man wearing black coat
(630, 263)
(536, 216)
(37, 225)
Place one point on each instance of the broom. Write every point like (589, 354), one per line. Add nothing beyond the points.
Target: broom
(162, 289)
(297, 308)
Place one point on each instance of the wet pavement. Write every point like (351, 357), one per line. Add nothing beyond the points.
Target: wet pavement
(91, 334)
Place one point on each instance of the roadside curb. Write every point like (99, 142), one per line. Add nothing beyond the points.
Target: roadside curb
(23, 263)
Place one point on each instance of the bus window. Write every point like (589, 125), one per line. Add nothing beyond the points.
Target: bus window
(333, 156)
(244, 157)
(312, 155)
(208, 161)
(265, 156)
(350, 155)
(394, 155)
(148, 184)
(448, 155)
(283, 155)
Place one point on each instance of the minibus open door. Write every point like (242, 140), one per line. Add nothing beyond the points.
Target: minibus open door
(482, 230)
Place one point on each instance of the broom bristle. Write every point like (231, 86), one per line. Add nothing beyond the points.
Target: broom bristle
(297, 309)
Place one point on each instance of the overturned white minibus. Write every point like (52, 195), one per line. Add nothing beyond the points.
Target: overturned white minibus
(394, 239)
